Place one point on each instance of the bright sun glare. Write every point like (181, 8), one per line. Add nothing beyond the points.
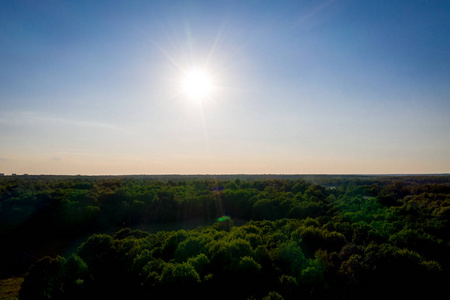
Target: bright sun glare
(197, 84)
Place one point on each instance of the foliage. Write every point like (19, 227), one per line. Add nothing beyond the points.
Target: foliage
(263, 238)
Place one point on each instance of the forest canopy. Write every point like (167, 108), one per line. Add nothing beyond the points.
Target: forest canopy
(250, 237)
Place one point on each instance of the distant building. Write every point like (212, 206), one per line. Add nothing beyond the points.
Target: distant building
(2, 174)
(13, 174)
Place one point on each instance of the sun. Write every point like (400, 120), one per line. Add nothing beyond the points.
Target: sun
(197, 84)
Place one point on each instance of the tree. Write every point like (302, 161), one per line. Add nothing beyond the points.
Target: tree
(45, 280)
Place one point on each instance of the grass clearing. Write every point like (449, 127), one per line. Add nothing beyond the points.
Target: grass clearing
(9, 288)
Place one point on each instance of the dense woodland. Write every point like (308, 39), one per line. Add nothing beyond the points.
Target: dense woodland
(261, 237)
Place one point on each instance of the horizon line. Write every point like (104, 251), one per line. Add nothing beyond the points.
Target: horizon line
(234, 174)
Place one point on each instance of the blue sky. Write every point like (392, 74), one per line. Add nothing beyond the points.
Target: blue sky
(329, 87)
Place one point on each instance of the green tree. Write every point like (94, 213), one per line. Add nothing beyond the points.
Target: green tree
(45, 280)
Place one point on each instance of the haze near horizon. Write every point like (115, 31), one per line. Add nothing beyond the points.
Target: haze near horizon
(224, 87)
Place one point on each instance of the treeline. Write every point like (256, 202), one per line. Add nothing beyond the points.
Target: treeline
(340, 238)
(287, 259)
(81, 205)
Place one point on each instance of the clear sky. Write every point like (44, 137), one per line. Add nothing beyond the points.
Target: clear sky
(299, 87)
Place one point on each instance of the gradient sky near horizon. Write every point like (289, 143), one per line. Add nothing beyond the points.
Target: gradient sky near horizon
(302, 87)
